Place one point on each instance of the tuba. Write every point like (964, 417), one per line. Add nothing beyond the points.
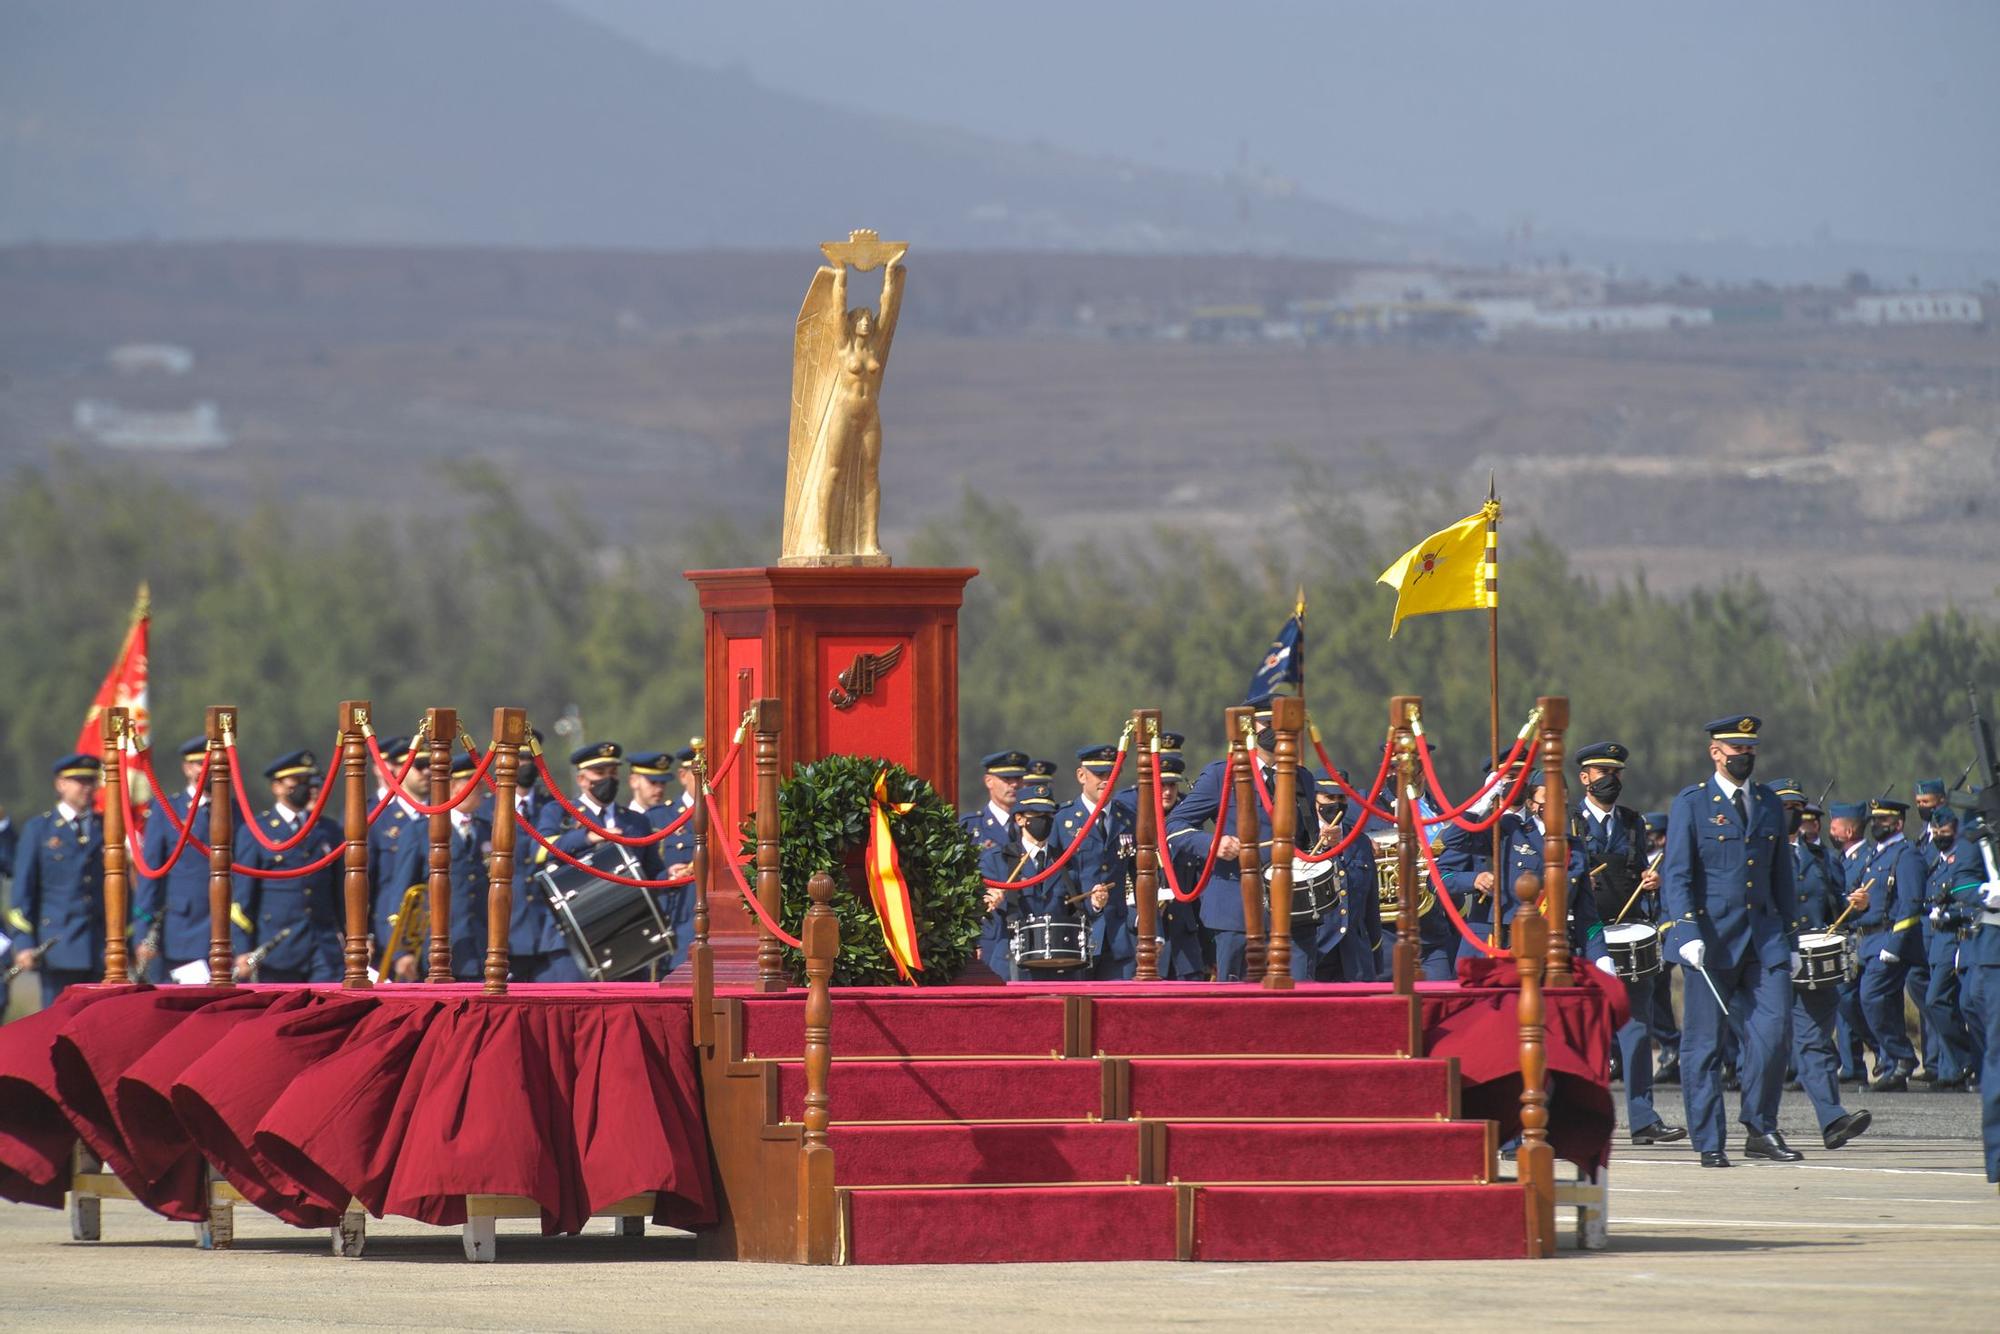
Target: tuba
(1388, 877)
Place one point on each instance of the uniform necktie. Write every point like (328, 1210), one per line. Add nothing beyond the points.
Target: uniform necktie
(1742, 812)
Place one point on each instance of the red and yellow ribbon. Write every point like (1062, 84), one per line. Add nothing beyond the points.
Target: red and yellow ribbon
(885, 882)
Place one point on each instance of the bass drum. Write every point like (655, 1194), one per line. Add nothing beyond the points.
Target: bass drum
(611, 930)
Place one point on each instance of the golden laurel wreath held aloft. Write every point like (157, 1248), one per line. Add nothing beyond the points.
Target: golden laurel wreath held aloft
(833, 490)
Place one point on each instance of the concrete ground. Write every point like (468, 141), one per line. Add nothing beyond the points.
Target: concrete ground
(1899, 1226)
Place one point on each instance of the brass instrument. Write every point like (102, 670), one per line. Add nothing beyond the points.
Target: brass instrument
(409, 930)
(1388, 887)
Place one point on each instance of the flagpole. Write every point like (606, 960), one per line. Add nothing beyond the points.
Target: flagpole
(1493, 685)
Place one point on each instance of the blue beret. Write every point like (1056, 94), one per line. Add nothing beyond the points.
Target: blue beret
(1007, 763)
(290, 765)
(1930, 787)
(653, 763)
(1097, 757)
(1609, 754)
(1738, 729)
(194, 745)
(1034, 798)
(76, 764)
(597, 752)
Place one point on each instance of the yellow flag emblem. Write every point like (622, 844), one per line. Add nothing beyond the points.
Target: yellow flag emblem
(1456, 569)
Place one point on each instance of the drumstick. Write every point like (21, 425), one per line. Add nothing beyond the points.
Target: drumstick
(1866, 885)
(1635, 892)
(1712, 991)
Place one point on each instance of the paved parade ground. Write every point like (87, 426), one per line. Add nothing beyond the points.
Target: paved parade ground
(1900, 1226)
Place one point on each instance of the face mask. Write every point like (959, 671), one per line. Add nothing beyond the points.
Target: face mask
(1881, 831)
(1606, 789)
(1739, 767)
(1793, 819)
(1039, 827)
(603, 790)
(301, 797)
(1267, 741)
(1944, 840)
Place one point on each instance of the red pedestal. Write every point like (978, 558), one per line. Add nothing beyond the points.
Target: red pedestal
(789, 633)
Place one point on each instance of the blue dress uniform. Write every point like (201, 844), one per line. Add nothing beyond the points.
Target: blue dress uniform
(1730, 901)
(1666, 1029)
(1946, 1022)
(554, 963)
(299, 917)
(1887, 939)
(471, 845)
(1342, 944)
(989, 827)
(1059, 897)
(676, 849)
(1614, 848)
(1178, 924)
(1979, 899)
(1457, 855)
(59, 888)
(1521, 850)
(1109, 856)
(1222, 902)
(178, 900)
(1817, 888)
(399, 857)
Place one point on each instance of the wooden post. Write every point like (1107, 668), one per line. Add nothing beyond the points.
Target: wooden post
(221, 727)
(510, 727)
(354, 784)
(818, 1230)
(1403, 773)
(1146, 871)
(1555, 838)
(441, 731)
(701, 960)
(1242, 725)
(117, 881)
(1534, 1160)
(770, 876)
(1288, 716)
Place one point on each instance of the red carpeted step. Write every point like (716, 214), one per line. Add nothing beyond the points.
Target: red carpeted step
(951, 1090)
(985, 1225)
(1289, 1090)
(1453, 1151)
(1359, 1223)
(969, 1153)
(914, 1026)
(1276, 1025)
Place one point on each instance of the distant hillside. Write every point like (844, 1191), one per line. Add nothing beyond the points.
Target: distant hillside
(518, 122)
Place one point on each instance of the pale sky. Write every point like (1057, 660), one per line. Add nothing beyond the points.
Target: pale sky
(1758, 120)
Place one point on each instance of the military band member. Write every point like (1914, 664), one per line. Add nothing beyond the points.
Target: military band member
(298, 917)
(1178, 924)
(1456, 853)
(1104, 865)
(1979, 900)
(57, 923)
(685, 775)
(1342, 944)
(399, 856)
(1886, 885)
(1030, 851)
(1666, 1028)
(992, 825)
(1847, 824)
(1817, 888)
(1624, 885)
(178, 898)
(1523, 834)
(1950, 1027)
(597, 767)
(1930, 798)
(1729, 902)
(656, 800)
(471, 846)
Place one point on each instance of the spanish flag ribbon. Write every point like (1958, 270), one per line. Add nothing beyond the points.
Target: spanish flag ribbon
(885, 881)
(1456, 569)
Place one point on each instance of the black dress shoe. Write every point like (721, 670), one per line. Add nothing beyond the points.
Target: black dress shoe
(1714, 1158)
(1955, 1084)
(1896, 1081)
(1772, 1148)
(1845, 1128)
(1793, 1086)
(1659, 1133)
(1927, 1076)
(1731, 1081)
(1669, 1073)
(1853, 1077)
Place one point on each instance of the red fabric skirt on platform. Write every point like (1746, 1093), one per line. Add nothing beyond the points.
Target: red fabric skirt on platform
(404, 1098)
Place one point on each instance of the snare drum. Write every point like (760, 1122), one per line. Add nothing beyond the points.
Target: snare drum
(1316, 888)
(611, 930)
(1825, 961)
(1634, 948)
(1050, 942)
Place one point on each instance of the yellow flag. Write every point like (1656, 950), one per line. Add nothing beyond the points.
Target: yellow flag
(1457, 569)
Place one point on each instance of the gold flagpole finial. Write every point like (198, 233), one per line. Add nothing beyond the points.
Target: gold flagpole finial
(1300, 609)
(142, 607)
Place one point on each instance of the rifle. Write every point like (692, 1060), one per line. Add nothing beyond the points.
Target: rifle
(1986, 806)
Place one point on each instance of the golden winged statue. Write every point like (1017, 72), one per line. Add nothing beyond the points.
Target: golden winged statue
(833, 491)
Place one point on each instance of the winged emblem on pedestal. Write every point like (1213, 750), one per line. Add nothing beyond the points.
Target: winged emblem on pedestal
(858, 681)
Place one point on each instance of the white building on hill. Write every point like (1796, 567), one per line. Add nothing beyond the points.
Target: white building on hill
(1915, 308)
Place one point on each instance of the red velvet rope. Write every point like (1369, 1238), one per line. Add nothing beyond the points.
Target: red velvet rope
(1500, 807)
(394, 780)
(1368, 806)
(1165, 857)
(250, 816)
(742, 885)
(1444, 897)
(612, 876)
(132, 832)
(628, 840)
(1492, 780)
(1103, 800)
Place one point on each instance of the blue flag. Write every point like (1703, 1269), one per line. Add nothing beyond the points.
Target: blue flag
(1283, 670)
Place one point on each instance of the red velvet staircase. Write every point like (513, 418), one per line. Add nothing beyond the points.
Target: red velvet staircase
(1136, 1122)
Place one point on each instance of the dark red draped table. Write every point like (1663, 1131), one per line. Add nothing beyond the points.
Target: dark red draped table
(403, 1098)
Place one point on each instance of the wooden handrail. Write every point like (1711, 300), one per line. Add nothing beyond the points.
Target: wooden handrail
(1403, 710)
(1534, 1159)
(701, 959)
(1146, 834)
(441, 731)
(771, 974)
(1288, 719)
(510, 728)
(818, 1229)
(117, 881)
(221, 731)
(1555, 837)
(354, 790)
(1249, 829)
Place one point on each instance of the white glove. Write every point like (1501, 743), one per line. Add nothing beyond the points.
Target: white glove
(1890, 956)
(1989, 894)
(1609, 968)
(1693, 952)
(1795, 961)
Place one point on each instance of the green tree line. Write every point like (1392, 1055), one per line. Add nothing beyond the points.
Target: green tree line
(285, 611)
